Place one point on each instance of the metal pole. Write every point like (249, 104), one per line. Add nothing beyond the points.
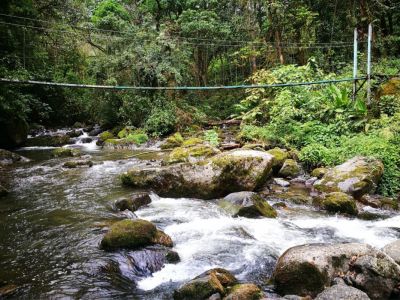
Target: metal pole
(355, 56)
(369, 64)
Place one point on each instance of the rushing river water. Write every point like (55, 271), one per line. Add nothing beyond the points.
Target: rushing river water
(54, 218)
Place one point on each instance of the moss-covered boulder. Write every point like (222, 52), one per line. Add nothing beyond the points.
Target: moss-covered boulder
(192, 142)
(280, 155)
(214, 281)
(338, 202)
(72, 164)
(173, 141)
(124, 132)
(390, 88)
(106, 135)
(48, 141)
(190, 154)
(308, 269)
(227, 172)
(9, 158)
(244, 291)
(133, 234)
(290, 169)
(357, 176)
(247, 204)
(319, 172)
(136, 201)
(379, 201)
(65, 152)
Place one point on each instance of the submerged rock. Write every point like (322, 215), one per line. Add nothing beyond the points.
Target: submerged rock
(290, 169)
(65, 152)
(342, 292)
(3, 191)
(136, 201)
(48, 141)
(244, 291)
(357, 176)
(308, 269)
(247, 204)
(133, 234)
(77, 163)
(8, 158)
(214, 281)
(8, 290)
(74, 133)
(393, 250)
(232, 171)
(339, 202)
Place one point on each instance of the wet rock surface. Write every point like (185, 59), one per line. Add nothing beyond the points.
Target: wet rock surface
(357, 176)
(48, 141)
(308, 269)
(342, 292)
(9, 158)
(136, 201)
(232, 171)
(339, 202)
(393, 250)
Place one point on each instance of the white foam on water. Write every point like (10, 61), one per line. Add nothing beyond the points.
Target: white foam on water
(205, 236)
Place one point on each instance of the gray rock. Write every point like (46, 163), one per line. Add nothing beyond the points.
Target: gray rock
(8, 158)
(136, 201)
(308, 269)
(342, 292)
(357, 176)
(247, 204)
(206, 285)
(393, 250)
(228, 172)
(281, 182)
(290, 169)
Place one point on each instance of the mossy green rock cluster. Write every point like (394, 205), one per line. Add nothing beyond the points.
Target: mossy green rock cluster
(214, 281)
(319, 172)
(134, 234)
(106, 135)
(247, 204)
(391, 87)
(227, 172)
(357, 176)
(290, 169)
(173, 141)
(48, 141)
(190, 153)
(307, 270)
(65, 152)
(280, 155)
(338, 202)
(244, 291)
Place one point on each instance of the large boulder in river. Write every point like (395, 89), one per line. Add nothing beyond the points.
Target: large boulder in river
(247, 204)
(214, 281)
(228, 172)
(134, 234)
(338, 202)
(357, 176)
(393, 250)
(309, 269)
(8, 158)
(48, 141)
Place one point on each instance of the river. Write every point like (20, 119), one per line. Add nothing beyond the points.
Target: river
(53, 220)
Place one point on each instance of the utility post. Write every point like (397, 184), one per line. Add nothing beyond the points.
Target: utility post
(355, 62)
(369, 65)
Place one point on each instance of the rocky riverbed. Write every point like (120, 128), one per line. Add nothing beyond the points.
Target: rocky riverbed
(191, 221)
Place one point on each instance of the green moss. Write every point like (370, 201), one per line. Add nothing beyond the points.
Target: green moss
(183, 154)
(65, 152)
(260, 207)
(290, 169)
(106, 135)
(173, 141)
(129, 234)
(280, 155)
(319, 172)
(244, 291)
(192, 142)
(137, 138)
(392, 87)
(124, 132)
(338, 202)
